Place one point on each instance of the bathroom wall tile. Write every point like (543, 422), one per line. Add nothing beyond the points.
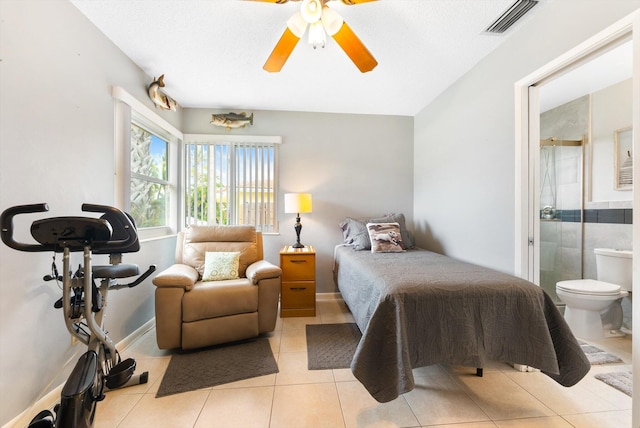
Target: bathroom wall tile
(603, 235)
(549, 230)
(596, 205)
(571, 263)
(569, 196)
(567, 215)
(591, 216)
(607, 235)
(571, 235)
(627, 304)
(611, 216)
(568, 171)
(621, 204)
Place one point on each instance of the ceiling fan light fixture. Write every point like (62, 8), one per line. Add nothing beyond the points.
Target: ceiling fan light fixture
(317, 36)
(297, 25)
(311, 10)
(331, 21)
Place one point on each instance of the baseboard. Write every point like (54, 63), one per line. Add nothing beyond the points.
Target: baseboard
(50, 399)
(332, 295)
(137, 334)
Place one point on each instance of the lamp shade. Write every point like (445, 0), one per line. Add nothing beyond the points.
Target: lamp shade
(297, 203)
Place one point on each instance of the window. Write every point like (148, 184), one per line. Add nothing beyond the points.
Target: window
(149, 193)
(147, 158)
(231, 181)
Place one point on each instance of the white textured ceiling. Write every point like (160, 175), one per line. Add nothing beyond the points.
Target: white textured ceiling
(212, 51)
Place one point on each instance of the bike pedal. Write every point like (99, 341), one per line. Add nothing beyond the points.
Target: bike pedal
(44, 419)
(120, 373)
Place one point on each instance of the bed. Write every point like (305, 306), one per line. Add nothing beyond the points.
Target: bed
(417, 308)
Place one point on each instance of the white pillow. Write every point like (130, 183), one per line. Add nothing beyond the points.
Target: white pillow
(220, 265)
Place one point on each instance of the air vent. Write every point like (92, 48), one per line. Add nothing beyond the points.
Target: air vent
(511, 16)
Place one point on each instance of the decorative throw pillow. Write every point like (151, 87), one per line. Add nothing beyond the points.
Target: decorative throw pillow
(385, 238)
(396, 218)
(220, 265)
(407, 238)
(355, 233)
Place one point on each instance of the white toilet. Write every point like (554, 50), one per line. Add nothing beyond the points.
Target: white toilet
(587, 300)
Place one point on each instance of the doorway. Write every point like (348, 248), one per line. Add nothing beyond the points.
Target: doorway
(527, 150)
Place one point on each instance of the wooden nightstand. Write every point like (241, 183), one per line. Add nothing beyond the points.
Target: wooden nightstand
(298, 289)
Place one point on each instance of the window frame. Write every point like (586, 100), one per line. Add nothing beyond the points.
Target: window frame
(235, 141)
(129, 110)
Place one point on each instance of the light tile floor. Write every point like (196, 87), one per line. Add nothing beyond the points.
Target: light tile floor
(296, 397)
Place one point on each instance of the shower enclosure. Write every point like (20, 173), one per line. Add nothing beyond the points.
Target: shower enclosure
(561, 207)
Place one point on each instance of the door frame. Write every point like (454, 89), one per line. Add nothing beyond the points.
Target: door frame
(525, 257)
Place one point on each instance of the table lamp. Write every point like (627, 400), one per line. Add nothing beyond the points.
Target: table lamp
(297, 203)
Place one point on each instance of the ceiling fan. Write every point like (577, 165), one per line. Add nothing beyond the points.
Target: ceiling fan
(317, 15)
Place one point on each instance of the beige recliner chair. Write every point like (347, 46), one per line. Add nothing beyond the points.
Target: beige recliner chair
(192, 313)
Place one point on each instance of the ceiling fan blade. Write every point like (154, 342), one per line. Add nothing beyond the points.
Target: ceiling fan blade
(354, 48)
(350, 2)
(281, 52)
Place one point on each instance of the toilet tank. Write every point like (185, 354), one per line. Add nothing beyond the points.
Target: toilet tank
(614, 266)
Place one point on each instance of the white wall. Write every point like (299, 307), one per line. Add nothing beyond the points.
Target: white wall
(57, 146)
(353, 165)
(464, 141)
(611, 110)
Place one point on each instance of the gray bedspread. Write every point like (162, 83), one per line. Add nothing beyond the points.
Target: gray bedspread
(420, 308)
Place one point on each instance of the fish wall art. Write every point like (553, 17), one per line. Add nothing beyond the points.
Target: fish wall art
(159, 98)
(232, 120)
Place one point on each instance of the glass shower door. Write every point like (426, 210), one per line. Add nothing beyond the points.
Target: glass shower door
(561, 190)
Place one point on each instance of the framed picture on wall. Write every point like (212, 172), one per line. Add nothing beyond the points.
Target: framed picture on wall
(623, 159)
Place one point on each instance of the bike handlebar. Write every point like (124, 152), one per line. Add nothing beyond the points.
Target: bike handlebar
(113, 215)
(124, 242)
(6, 222)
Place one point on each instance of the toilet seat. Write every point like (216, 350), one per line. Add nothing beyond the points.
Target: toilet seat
(589, 287)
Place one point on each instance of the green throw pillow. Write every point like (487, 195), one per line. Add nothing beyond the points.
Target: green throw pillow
(220, 265)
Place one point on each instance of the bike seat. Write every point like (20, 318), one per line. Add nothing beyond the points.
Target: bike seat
(115, 271)
(72, 232)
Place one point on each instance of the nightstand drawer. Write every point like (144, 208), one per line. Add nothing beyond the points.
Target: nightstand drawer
(298, 267)
(300, 294)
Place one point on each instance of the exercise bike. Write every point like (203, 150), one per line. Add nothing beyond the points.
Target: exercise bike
(84, 301)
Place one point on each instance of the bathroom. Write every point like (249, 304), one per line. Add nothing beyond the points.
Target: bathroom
(586, 189)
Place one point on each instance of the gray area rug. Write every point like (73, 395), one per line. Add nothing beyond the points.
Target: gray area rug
(331, 346)
(217, 365)
(622, 381)
(597, 356)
